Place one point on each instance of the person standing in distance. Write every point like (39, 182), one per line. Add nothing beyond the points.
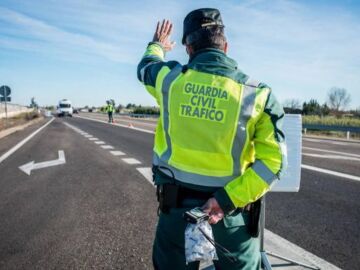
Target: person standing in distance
(110, 111)
(218, 142)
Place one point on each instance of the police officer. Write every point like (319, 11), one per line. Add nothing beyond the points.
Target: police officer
(218, 142)
(110, 111)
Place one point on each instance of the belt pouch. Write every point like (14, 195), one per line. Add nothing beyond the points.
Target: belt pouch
(168, 197)
(254, 218)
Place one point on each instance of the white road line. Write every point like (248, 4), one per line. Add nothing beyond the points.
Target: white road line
(117, 153)
(88, 136)
(107, 146)
(343, 175)
(99, 142)
(131, 161)
(115, 124)
(330, 151)
(21, 143)
(273, 239)
(278, 241)
(93, 139)
(128, 120)
(329, 141)
(340, 143)
(147, 173)
(331, 156)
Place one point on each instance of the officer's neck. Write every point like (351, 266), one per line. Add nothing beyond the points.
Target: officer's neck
(205, 50)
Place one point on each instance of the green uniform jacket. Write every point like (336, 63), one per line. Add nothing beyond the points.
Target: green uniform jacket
(217, 128)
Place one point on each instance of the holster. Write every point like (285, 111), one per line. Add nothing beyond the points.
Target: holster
(253, 225)
(168, 197)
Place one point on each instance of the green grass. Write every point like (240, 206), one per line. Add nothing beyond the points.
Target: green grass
(331, 120)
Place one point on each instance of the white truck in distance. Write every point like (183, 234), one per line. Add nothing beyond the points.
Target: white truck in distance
(64, 108)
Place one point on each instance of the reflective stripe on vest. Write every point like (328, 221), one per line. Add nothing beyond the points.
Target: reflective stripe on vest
(247, 105)
(191, 178)
(245, 112)
(169, 78)
(264, 172)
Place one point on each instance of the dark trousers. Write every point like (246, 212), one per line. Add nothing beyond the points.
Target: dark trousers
(110, 114)
(231, 233)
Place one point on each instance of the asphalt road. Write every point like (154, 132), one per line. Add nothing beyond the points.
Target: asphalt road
(96, 211)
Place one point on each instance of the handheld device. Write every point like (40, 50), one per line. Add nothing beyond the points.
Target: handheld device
(195, 215)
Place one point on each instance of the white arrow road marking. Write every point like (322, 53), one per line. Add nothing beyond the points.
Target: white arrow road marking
(28, 167)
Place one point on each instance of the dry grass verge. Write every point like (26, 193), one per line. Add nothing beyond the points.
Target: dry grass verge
(18, 120)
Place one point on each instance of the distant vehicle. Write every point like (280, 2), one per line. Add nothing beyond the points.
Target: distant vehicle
(64, 108)
(75, 110)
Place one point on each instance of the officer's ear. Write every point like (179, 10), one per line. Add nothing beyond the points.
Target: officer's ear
(189, 50)
(225, 47)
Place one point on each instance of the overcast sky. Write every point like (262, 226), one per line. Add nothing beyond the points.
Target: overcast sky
(87, 50)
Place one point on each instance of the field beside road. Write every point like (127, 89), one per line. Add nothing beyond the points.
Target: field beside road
(20, 119)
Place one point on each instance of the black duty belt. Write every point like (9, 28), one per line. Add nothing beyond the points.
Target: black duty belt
(187, 193)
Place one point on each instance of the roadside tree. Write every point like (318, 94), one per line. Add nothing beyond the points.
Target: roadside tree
(338, 99)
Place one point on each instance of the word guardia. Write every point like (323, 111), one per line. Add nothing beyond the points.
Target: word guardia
(203, 102)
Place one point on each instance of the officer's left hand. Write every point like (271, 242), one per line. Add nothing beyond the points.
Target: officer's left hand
(214, 210)
(162, 35)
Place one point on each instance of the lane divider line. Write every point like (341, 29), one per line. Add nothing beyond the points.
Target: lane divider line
(339, 174)
(147, 173)
(107, 147)
(99, 142)
(331, 156)
(331, 151)
(131, 161)
(93, 139)
(88, 136)
(117, 153)
(21, 143)
(115, 124)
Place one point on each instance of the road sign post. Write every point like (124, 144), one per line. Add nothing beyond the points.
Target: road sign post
(5, 92)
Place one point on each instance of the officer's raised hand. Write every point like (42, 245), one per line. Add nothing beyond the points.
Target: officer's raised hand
(214, 210)
(162, 35)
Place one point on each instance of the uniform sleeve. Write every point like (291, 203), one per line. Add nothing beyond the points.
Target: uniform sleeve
(270, 161)
(150, 65)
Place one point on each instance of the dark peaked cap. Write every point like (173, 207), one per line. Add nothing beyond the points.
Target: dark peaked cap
(200, 18)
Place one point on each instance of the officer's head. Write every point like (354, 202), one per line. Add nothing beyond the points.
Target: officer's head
(203, 28)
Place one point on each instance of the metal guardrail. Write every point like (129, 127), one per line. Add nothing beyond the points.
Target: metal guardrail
(346, 129)
(331, 128)
(142, 115)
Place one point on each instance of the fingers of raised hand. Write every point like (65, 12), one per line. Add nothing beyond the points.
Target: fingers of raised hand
(158, 28)
(162, 28)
